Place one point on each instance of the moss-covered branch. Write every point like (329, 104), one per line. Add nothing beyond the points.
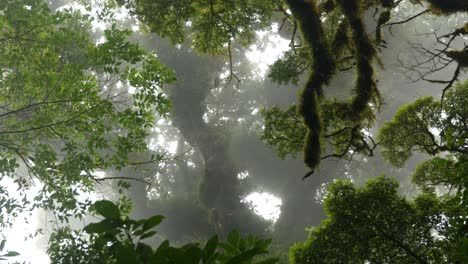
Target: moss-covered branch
(364, 53)
(321, 70)
(446, 7)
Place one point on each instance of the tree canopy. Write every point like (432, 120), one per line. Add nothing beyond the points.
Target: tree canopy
(63, 114)
(374, 223)
(81, 107)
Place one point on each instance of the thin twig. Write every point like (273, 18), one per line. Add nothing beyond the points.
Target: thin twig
(231, 69)
(391, 24)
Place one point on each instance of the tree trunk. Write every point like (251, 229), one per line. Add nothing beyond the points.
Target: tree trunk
(219, 190)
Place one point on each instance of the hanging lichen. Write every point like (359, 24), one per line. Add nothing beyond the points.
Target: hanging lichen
(383, 18)
(445, 7)
(364, 53)
(326, 6)
(322, 68)
(341, 39)
(460, 56)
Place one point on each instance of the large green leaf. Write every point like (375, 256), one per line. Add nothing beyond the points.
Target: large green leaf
(11, 254)
(107, 209)
(104, 226)
(152, 222)
(210, 248)
(126, 254)
(2, 244)
(246, 256)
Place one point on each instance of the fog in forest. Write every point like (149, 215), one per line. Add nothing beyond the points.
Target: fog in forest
(208, 167)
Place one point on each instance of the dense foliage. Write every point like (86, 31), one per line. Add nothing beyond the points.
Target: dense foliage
(63, 113)
(72, 105)
(361, 227)
(119, 239)
(375, 224)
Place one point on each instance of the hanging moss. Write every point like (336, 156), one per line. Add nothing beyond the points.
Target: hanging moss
(341, 38)
(448, 7)
(365, 53)
(462, 30)
(383, 18)
(322, 68)
(460, 56)
(387, 3)
(327, 6)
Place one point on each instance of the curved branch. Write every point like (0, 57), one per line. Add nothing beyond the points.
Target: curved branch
(391, 24)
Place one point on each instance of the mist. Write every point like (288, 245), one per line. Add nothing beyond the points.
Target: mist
(206, 168)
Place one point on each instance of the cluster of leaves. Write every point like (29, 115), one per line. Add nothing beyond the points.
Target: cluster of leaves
(118, 239)
(436, 172)
(428, 126)
(7, 254)
(212, 24)
(346, 136)
(335, 40)
(290, 67)
(65, 107)
(284, 131)
(374, 224)
(435, 128)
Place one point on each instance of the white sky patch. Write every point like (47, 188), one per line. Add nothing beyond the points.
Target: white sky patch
(264, 204)
(25, 225)
(160, 142)
(205, 118)
(163, 121)
(242, 175)
(131, 90)
(264, 57)
(321, 193)
(172, 146)
(97, 24)
(224, 75)
(99, 174)
(17, 240)
(366, 132)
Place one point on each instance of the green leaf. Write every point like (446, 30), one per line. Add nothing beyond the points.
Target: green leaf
(449, 137)
(2, 244)
(210, 247)
(230, 249)
(107, 209)
(148, 234)
(101, 227)
(11, 254)
(144, 250)
(233, 238)
(152, 222)
(263, 244)
(269, 261)
(191, 254)
(126, 255)
(463, 248)
(245, 256)
(462, 141)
